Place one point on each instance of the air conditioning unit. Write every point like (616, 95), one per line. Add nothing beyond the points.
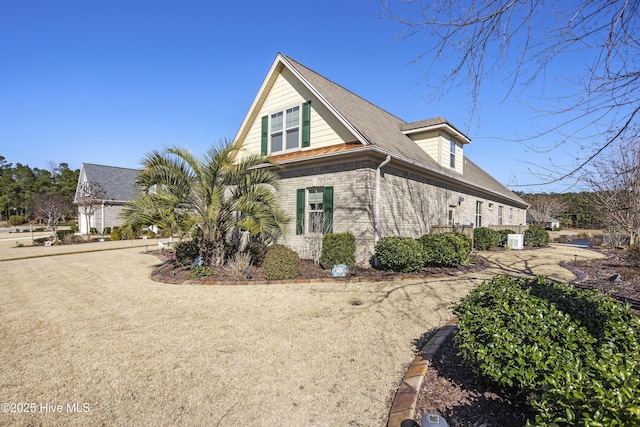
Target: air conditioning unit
(515, 241)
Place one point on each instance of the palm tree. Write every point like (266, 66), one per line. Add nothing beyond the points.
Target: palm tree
(213, 197)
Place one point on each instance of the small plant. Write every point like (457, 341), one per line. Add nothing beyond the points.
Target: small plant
(257, 250)
(93, 231)
(116, 233)
(186, 252)
(338, 248)
(106, 230)
(402, 254)
(281, 263)
(485, 238)
(446, 249)
(238, 266)
(536, 236)
(200, 271)
(16, 220)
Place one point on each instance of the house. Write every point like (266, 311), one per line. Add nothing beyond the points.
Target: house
(105, 189)
(539, 218)
(348, 165)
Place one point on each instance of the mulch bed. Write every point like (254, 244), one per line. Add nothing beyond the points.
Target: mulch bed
(170, 272)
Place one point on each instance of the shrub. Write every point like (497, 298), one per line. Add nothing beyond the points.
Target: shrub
(446, 249)
(116, 233)
(93, 230)
(186, 251)
(402, 254)
(16, 220)
(106, 230)
(199, 271)
(576, 354)
(257, 250)
(536, 236)
(485, 238)
(633, 255)
(281, 263)
(61, 234)
(338, 248)
(503, 237)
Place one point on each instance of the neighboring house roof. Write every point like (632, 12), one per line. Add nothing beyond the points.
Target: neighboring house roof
(118, 184)
(375, 129)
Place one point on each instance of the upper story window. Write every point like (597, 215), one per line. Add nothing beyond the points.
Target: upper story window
(452, 154)
(285, 129)
(288, 129)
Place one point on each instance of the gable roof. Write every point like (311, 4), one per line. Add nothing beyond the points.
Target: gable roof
(376, 128)
(118, 184)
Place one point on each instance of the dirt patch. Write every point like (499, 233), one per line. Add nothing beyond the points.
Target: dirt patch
(450, 387)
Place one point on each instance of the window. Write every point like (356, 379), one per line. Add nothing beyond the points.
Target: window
(500, 208)
(314, 210)
(452, 154)
(450, 217)
(478, 214)
(288, 129)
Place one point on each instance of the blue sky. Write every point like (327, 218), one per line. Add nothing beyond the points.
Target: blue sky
(107, 81)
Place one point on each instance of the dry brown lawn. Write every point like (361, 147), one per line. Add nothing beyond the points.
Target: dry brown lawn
(94, 329)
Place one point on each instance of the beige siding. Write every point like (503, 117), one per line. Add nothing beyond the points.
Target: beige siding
(287, 91)
(436, 144)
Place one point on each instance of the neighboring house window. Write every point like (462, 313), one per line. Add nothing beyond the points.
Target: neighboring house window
(314, 210)
(478, 214)
(288, 129)
(500, 208)
(452, 155)
(510, 215)
(450, 217)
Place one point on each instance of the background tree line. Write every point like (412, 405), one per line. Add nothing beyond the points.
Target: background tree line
(23, 190)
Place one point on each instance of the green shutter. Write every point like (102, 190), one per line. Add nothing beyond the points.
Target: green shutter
(300, 211)
(306, 124)
(327, 204)
(265, 136)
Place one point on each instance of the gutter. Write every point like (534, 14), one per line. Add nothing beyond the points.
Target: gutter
(376, 215)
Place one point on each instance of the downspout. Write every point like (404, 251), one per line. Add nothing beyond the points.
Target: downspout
(102, 221)
(376, 217)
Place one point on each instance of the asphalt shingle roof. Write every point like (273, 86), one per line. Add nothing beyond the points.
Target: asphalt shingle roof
(119, 184)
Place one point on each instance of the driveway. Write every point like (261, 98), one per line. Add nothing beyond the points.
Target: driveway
(90, 339)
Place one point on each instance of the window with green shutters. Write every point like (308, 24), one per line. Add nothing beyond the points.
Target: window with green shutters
(314, 210)
(286, 130)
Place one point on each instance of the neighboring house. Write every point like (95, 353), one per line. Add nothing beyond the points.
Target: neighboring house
(107, 188)
(538, 218)
(348, 165)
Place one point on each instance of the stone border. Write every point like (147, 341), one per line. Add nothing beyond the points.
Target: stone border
(406, 399)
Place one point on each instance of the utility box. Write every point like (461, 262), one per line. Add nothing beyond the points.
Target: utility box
(515, 241)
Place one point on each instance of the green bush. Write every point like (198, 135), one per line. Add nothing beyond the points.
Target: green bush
(93, 230)
(257, 250)
(446, 249)
(16, 220)
(338, 248)
(186, 251)
(60, 234)
(536, 236)
(281, 263)
(106, 230)
(574, 353)
(485, 238)
(503, 237)
(402, 254)
(199, 271)
(116, 233)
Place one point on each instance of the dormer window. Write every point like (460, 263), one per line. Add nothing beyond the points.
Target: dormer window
(452, 154)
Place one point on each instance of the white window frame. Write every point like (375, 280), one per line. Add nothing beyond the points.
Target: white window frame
(452, 154)
(284, 130)
(500, 214)
(309, 211)
(478, 213)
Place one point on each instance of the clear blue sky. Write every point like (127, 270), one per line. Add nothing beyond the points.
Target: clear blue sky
(107, 81)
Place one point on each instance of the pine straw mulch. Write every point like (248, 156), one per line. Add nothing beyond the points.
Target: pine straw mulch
(450, 387)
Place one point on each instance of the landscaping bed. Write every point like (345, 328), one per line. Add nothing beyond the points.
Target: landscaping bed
(170, 272)
(450, 387)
